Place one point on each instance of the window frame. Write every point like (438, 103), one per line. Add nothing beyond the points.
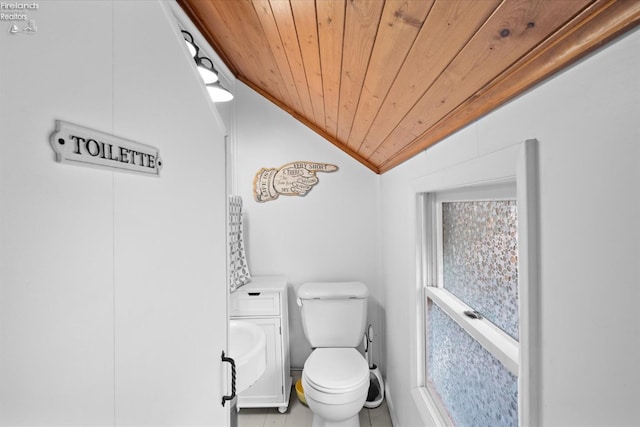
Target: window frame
(496, 341)
(513, 167)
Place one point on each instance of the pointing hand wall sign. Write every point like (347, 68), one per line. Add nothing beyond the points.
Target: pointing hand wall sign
(292, 179)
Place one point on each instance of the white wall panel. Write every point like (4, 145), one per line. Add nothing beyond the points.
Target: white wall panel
(585, 120)
(56, 277)
(170, 262)
(331, 234)
(112, 285)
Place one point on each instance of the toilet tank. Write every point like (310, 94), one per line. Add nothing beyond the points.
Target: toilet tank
(334, 314)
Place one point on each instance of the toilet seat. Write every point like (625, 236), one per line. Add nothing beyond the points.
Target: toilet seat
(336, 371)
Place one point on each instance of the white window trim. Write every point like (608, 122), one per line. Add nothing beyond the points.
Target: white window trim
(497, 342)
(515, 163)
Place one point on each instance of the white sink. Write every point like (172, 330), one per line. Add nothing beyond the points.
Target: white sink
(248, 347)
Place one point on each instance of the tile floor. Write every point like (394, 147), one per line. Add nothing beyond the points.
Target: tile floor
(299, 415)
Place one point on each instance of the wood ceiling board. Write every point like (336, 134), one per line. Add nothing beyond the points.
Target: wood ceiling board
(330, 15)
(601, 22)
(289, 36)
(278, 52)
(447, 30)
(513, 30)
(400, 23)
(243, 24)
(397, 111)
(304, 15)
(361, 26)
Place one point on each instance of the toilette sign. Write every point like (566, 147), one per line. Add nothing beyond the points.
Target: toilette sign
(82, 146)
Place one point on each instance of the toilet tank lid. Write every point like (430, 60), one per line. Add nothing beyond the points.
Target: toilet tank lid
(333, 290)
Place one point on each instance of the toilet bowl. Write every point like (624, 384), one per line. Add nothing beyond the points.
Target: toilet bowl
(335, 382)
(335, 376)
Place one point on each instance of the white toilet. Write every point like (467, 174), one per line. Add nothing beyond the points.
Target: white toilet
(335, 377)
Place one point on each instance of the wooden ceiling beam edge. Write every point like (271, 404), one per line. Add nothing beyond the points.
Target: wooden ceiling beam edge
(311, 126)
(612, 19)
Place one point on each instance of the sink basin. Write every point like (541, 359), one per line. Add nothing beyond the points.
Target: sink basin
(248, 347)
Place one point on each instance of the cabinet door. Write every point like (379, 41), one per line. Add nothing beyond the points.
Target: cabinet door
(268, 390)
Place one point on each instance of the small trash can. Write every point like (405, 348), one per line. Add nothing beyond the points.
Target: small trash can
(300, 392)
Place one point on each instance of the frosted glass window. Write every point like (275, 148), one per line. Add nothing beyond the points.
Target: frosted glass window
(471, 384)
(480, 258)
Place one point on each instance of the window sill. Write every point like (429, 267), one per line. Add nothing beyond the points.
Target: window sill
(427, 408)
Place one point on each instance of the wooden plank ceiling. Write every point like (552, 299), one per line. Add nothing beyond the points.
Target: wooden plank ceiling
(384, 80)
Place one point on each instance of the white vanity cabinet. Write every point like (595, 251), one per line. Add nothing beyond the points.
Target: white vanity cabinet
(263, 301)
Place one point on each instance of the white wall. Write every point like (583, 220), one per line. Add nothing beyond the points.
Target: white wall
(331, 234)
(586, 121)
(112, 286)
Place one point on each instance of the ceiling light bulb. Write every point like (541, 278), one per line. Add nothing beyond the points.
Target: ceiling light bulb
(192, 48)
(208, 75)
(218, 93)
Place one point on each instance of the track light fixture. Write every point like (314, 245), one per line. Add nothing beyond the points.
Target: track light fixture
(219, 93)
(207, 71)
(188, 39)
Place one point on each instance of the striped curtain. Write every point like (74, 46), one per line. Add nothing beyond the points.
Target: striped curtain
(238, 268)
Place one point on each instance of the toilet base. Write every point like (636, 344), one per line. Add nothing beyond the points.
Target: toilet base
(339, 406)
(335, 415)
(351, 422)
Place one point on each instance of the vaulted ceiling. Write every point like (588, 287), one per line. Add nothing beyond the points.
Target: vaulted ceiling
(384, 80)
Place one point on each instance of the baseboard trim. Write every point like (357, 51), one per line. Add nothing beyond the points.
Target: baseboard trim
(390, 405)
